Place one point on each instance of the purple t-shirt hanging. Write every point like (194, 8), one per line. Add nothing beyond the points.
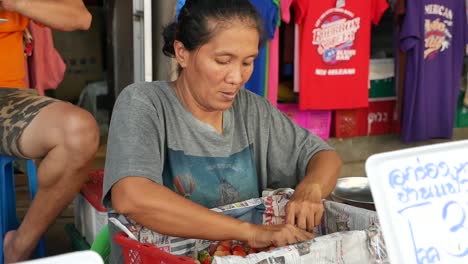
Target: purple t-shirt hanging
(433, 35)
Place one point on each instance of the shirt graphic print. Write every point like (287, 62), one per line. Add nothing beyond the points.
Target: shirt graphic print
(212, 181)
(437, 31)
(334, 36)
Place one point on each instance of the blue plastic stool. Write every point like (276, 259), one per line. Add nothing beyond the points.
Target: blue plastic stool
(9, 220)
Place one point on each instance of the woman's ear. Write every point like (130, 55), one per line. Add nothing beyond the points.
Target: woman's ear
(181, 54)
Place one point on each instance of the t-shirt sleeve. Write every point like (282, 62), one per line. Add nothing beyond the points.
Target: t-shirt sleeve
(411, 29)
(272, 19)
(290, 147)
(135, 141)
(286, 10)
(378, 9)
(300, 10)
(268, 11)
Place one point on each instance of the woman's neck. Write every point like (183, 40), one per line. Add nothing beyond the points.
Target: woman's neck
(212, 118)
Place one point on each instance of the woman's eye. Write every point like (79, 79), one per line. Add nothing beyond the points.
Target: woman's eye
(247, 63)
(222, 62)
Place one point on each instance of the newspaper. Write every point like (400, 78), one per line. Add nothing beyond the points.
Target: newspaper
(342, 217)
(338, 248)
(347, 234)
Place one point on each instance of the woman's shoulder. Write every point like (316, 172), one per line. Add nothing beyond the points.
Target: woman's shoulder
(146, 91)
(251, 102)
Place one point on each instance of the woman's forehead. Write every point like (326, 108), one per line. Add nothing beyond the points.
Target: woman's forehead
(233, 33)
(237, 40)
(215, 26)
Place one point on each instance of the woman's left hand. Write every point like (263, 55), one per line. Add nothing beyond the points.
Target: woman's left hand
(305, 209)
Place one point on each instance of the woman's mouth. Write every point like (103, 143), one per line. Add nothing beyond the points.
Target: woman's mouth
(229, 96)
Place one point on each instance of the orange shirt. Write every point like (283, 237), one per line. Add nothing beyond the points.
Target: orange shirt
(12, 61)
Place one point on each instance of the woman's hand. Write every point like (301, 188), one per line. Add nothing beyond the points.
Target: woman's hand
(263, 236)
(305, 209)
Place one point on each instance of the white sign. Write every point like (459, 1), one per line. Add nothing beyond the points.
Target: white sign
(421, 197)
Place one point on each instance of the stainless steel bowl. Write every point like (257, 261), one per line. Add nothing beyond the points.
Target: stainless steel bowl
(352, 190)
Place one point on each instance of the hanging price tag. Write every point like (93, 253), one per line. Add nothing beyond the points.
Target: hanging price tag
(340, 3)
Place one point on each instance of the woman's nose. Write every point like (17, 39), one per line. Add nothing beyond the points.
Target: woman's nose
(235, 75)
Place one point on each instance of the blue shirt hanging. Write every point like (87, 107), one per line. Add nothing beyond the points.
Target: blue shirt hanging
(269, 14)
(180, 4)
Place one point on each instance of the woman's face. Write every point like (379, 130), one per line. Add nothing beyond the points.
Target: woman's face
(218, 69)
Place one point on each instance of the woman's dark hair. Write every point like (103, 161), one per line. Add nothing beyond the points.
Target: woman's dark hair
(192, 27)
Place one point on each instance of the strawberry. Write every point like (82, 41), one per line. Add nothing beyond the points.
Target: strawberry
(237, 248)
(220, 253)
(203, 255)
(212, 248)
(223, 248)
(240, 253)
(226, 243)
(207, 260)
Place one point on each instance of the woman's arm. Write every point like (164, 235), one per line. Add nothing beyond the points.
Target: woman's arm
(323, 170)
(65, 15)
(160, 209)
(305, 208)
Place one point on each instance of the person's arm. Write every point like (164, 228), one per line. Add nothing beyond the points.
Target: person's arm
(323, 170)
(160, 209)
(65, 15)
(305, 208)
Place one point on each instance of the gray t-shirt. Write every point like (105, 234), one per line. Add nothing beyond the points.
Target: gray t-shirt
(152, 135)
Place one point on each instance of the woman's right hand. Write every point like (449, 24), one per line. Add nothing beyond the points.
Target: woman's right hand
(262, 236)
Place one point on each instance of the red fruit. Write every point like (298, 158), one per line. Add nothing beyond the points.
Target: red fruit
(203, 255)
(237, 248)
(227, 243)
(221, 253)
(223, 248)
(239, 253)
(212, 248)
(207, 261)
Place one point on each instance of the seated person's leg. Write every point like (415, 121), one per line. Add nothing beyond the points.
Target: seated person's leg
(66, 138)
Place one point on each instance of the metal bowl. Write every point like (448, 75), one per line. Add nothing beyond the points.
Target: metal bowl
(353, 190)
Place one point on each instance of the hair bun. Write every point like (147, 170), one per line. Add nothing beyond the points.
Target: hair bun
(169, 35)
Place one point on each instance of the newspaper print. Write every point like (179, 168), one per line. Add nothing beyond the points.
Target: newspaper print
(347, 235)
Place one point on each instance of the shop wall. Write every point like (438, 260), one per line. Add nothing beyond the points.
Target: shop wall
(355, 151)
(83, 53)
(163, 14)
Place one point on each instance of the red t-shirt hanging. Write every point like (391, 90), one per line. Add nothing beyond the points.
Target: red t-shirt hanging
(335, 47)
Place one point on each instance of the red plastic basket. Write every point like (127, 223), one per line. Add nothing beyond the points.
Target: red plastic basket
(92, 189)
(135, 252)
